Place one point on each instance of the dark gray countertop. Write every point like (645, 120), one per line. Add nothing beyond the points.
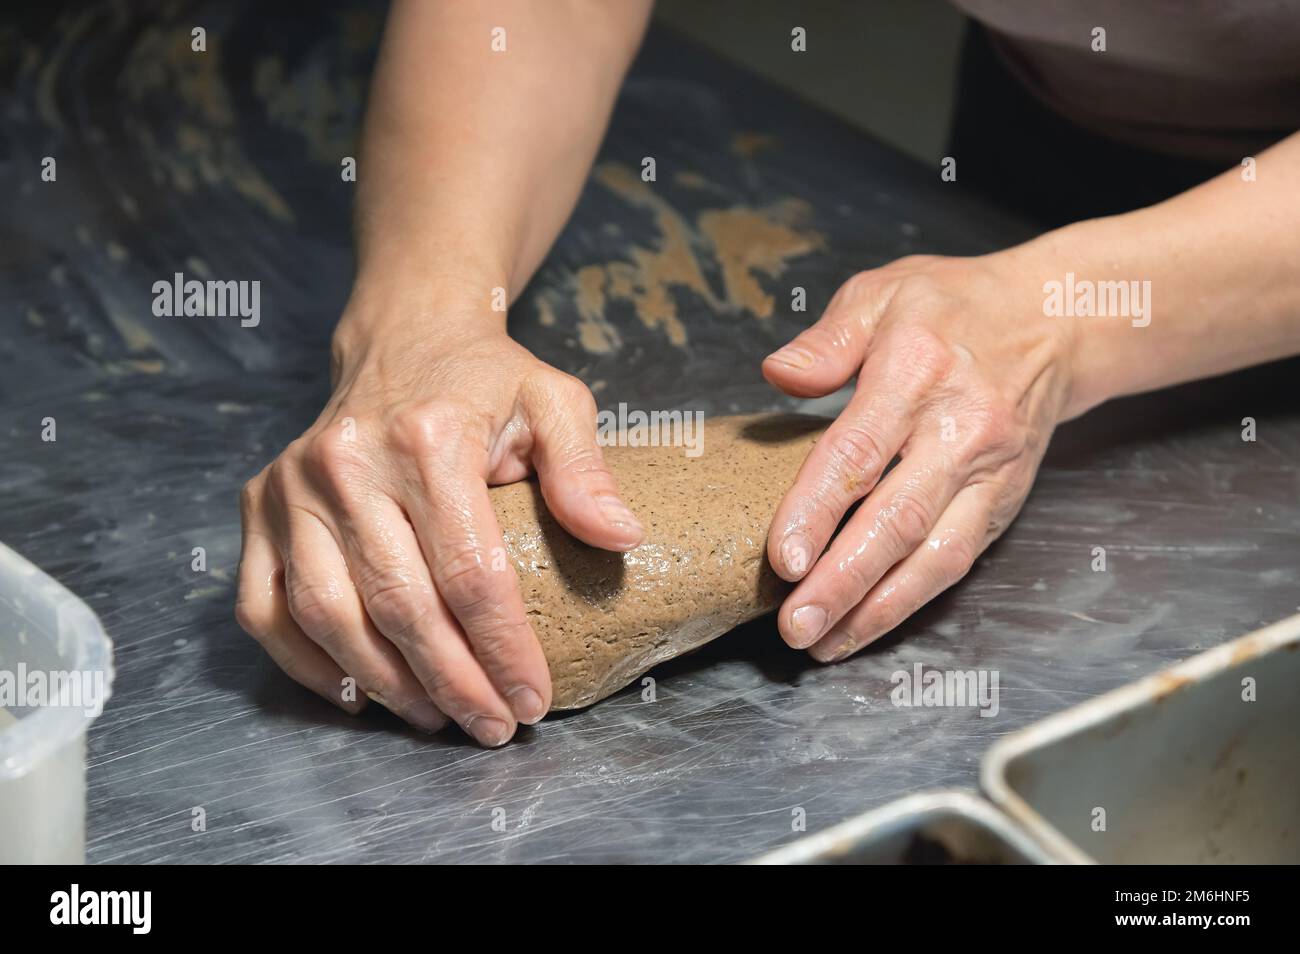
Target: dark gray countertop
(228, 166)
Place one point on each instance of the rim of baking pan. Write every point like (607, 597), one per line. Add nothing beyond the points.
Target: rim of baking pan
(82, 647)
(994, 767)
(878, 820)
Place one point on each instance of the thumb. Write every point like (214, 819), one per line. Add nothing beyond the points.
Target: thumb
(822, 359)
(577, 486)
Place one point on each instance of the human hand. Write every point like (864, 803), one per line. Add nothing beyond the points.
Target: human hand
(370, 547)
(961, 376)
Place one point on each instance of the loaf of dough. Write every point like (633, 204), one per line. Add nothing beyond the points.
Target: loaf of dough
(604, 618)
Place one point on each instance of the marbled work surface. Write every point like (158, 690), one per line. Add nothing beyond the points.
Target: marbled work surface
(227, 165)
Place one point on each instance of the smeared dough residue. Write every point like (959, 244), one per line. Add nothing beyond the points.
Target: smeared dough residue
(741, 243)
(746, 242)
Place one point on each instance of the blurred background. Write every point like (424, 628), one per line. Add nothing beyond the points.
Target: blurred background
(885, 66)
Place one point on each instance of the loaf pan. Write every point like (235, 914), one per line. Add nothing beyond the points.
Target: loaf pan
(1199, 763)
(935, 828)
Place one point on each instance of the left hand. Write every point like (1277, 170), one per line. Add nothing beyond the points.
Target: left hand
(960, 375)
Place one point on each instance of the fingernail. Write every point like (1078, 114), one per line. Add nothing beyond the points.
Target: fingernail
(845, 650)
(615, 511)
(794, 357)
(844, 646)
(526, 705)
(808, 622)
(424, 715)
(488, 730)
(796, 554)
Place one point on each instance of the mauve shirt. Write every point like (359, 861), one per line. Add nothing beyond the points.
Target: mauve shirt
(1207, 79)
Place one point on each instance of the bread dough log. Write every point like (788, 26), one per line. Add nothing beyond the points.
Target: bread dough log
(604, 618)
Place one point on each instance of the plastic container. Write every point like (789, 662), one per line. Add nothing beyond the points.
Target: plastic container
(936, 828)
(56, 672)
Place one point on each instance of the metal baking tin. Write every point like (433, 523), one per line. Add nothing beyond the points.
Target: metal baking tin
(1199, 763)
(930, 828)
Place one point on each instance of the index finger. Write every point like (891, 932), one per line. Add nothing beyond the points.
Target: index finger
(461, 541)
(848, 460)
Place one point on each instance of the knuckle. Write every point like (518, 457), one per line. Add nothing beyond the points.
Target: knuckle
(394, 604)
(331, 459)
(907, 520)
(297, 451)
(499, 640)
(996, 430)
(997, 438)
(420, 430)
(328, 449)
(464, 582)
(858, 286)
(279, 478)
(919, 289)
(550, 391)
(888, 613)
(857, 578)
(312, 607)
(853, 579)
(413, 431)
(857, 452)
(575, 392)
(926, 357)
(852, 306)
(954, 556)
(445, 690)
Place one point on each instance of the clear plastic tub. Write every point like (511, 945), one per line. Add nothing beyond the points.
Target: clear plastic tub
(56, 672)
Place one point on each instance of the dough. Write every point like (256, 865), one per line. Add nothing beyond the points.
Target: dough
(605, 618)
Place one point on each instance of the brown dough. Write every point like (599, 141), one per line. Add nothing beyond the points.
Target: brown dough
(605, 618)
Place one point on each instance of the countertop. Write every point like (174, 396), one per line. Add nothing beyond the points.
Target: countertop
(226, 165)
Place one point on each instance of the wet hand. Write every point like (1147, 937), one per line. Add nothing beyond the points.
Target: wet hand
(371, 552)
(962, 378)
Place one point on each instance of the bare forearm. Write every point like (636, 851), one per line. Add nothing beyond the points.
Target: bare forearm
(1223, 265)
(473, 157)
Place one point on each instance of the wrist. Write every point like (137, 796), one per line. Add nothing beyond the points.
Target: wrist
(1084, 282)
(396, 309)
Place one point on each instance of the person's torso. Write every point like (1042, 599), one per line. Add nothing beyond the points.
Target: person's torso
(1211, 79)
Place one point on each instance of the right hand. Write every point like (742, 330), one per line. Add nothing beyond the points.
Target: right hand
(369, 544)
